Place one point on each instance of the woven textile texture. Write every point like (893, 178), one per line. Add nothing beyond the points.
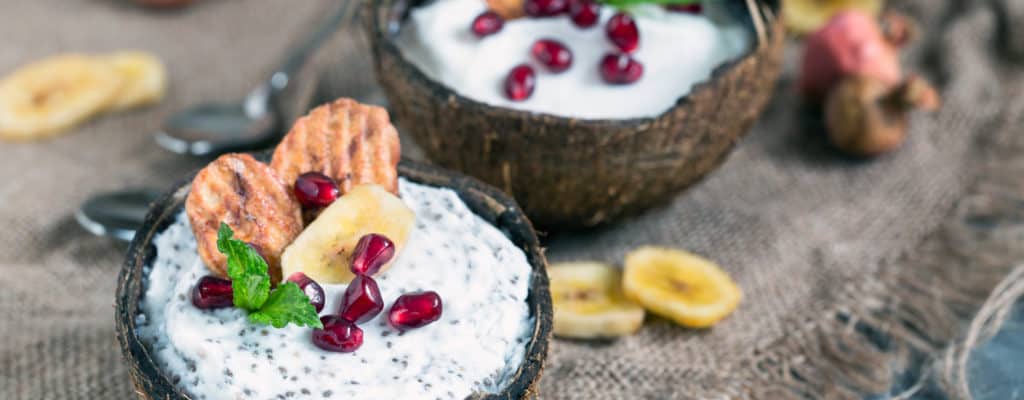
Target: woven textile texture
(848, 266)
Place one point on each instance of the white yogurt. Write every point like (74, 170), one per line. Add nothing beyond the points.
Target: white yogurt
(478, 343)
(677, 50)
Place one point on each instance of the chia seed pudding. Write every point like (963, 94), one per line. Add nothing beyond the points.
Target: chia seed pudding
(476, 346)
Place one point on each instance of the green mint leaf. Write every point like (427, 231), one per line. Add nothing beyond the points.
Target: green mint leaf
(287, 304)
(246, 269)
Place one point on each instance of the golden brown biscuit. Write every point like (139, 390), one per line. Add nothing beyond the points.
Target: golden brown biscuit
(248, 196)
(507, 9)
(353, 143)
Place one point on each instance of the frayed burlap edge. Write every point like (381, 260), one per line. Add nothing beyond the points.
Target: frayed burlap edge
(917, 305)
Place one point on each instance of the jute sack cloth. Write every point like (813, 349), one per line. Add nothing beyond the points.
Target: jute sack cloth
(847, 266)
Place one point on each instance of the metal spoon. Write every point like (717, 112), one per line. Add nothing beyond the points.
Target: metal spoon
(210, 129)
(116, 214)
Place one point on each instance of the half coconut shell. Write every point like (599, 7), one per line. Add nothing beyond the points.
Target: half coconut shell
(573, 173)
(489, 203)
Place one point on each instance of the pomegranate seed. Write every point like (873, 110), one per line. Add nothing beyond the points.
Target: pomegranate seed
(487, 24)
(315, 190)
(685, 8)
(212, 292)
(414, 310)
(310, 288)
(338, 335)
(371, 253)
(620, 69)
(545, 8)
(622, 31)
(553, 54)
(520, 82)
(361, 301)
(584, 13)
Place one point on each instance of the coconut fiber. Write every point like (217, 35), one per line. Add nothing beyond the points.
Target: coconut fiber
(853, 271)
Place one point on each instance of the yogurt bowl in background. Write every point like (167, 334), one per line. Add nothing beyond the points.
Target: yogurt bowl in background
(570, 172)
(148, 363)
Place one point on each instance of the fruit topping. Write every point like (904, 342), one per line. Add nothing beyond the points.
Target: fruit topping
(338, 335)
(545, 8)
(620, 69)
(520, 82)
(695, 8)
(588, 302)
(851, 44)
(622, 31)
(315, 190)
(487, 23)
(310, 288)
(352, 143)
(212, 292)
(584, 13)
(372, 251)
(680, 286)
(552, 54)
(361, 301)
(248, 196)
(324, 249)
(414, 310)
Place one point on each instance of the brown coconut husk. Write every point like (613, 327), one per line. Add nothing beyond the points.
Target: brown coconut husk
(489, 203)
(572, 173)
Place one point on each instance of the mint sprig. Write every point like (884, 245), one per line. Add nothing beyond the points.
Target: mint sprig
(286, 304)
(250, 283)
(247, 270)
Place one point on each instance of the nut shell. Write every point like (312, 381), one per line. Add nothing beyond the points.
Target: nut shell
(248, 196)
(575, 173)
(350, 142)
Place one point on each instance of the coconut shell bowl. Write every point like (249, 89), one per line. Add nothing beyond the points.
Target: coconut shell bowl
(576, 173)
(487, 202)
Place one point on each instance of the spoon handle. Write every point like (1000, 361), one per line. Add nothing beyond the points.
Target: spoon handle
(283, 75)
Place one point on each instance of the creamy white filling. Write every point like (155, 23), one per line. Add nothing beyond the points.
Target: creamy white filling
(478, 343)
(677, 50)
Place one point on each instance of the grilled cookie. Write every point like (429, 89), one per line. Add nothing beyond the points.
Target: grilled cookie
(248, 196)
(350, 142)
(507, 9)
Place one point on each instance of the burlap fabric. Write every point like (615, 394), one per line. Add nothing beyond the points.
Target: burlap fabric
(848, 267)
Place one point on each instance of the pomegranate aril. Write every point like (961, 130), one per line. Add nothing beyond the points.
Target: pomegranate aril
(584, 13)
(553, 54)
(620, 69)
(685, 8)
(310, 288)
(212, 292)
(415, 310)
(372, 252)
(487, 23)
(545, 8)
(520, 83)
(622, 31)
(361, 300)
(315, 190)
(338, 334)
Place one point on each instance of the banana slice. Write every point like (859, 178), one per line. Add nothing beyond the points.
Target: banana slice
(589, 303)
(806, 16)
(680, 286)
(49, 96)
(323, 249)
(144, 75)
